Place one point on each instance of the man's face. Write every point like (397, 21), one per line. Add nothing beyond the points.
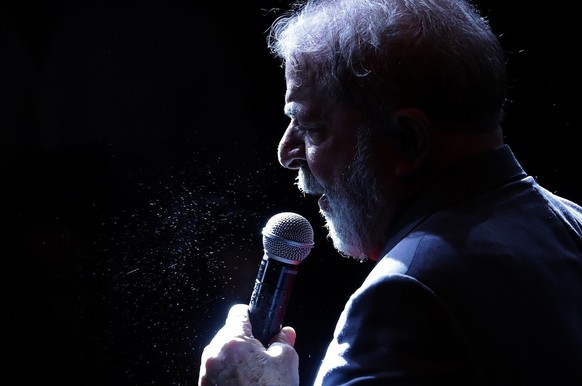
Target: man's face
(347, 205)
(321, 142)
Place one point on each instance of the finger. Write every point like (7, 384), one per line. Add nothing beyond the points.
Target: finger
(237, 322)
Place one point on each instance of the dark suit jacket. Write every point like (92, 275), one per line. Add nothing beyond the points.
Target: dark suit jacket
(481, 284)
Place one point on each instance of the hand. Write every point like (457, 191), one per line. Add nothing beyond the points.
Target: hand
(235, 358)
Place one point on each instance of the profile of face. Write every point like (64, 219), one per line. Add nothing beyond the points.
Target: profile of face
(345, 205)
(324, 142)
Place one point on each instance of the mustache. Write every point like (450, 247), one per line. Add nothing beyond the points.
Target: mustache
(307, 183)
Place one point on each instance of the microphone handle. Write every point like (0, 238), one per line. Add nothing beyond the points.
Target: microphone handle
(270, 296)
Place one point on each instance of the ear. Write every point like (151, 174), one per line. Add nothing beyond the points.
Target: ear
(412, 131)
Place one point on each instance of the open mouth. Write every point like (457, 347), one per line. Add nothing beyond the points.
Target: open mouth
(323, 203)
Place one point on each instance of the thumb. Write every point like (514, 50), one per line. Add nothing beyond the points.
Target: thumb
(287, 335)
(284, 359)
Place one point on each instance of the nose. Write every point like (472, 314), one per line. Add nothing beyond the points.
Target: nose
(291, 150)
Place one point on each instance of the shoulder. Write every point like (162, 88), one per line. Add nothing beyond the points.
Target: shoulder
(383, 333)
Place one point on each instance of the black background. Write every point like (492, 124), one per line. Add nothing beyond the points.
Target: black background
(138, 166)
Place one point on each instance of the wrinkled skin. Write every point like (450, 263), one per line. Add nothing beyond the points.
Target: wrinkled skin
(235, 358)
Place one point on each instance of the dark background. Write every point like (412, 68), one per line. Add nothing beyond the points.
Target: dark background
(138, 166)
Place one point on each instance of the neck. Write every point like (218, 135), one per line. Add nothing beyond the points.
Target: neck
(444, 151)
(451, 148)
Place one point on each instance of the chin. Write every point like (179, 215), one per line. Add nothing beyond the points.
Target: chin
(344, 239)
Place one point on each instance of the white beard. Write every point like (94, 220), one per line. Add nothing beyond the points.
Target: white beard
(352, 202)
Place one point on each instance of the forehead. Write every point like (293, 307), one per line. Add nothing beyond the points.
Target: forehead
(304, 88)
(304, 100)
(300, 82)
(310, 97)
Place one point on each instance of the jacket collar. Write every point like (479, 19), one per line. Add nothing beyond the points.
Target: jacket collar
(467, 179)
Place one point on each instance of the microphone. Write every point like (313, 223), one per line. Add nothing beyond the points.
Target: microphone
(287, 240)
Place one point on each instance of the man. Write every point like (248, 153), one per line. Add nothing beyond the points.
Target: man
(396, 109)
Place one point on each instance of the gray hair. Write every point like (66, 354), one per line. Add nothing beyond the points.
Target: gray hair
(439, 56)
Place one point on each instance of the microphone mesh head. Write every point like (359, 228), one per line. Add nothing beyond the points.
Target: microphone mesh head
(288, 237)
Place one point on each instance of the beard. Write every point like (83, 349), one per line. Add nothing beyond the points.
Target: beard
(350, 204)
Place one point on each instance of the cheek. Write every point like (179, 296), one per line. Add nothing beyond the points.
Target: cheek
(327, 162)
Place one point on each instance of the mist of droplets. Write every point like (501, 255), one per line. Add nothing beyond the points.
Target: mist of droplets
(170, 267)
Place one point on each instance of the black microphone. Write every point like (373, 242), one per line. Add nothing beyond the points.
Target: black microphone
(287, 240)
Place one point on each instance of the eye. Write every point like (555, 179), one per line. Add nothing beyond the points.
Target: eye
(314, 135)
